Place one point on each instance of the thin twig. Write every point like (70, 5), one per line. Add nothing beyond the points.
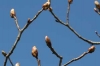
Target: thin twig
(68, 10)
(19, 36)
(11, 62)
(38, 61)
(32, 20)
(16, 21)
(75, 59)
(55, 53)
(79, 36)
(97, 34)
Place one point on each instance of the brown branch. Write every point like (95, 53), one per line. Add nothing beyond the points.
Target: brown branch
(55, 53)
(79, 36)
(68, 10)
(38, 61)
(97, 34)
(11, 62)
(19, 36)
(4, 54)
(75, 59)
(16, 21)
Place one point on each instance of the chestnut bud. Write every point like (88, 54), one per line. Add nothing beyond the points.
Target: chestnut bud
(48, 42)
(70, 1)
(46, 6)
(91, 49)
(35, 52)
(97, 4)
(12, 13)
(4, 53)
(17, 64)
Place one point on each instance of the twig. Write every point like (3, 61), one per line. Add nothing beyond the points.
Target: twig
(38, 61)
(75, 59)
(19, 36)
(32, 20)
(55, 53)
(97, 34)
(79, 36)
(4, 54)
(68, 10)
(11, 62)
(16, 21)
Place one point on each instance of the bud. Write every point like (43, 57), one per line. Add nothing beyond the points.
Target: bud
(35, 52)
(91, 49)
(46, 6)
(95, 9)
(29, 21)
(4, 53)
(48, 42)
(17, 64)
(12, 13)
(70, 1)
(97, 4)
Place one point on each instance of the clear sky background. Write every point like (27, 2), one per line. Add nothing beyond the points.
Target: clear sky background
(82, 18)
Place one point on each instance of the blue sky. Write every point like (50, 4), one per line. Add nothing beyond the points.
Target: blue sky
(82, 18)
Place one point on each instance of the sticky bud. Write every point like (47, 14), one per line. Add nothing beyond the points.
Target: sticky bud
(46, 6)
(17, 64)
(4, 53)
(97, 4)
(12, 13)
(48, 42)
(91, 49)
(35, 52)
(70, 1)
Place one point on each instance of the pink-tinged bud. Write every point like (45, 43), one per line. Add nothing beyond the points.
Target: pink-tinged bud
(4, 53)
(97, 4)
(12, 13)
(95, 9)
(46, 6)
(70, 1)
(48, 42)
(17, 64)
(91, 49)
(35, 52)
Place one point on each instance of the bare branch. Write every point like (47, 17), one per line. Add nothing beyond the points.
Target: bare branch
(16, 21)
(55, 53)
(75, 59)
(19, 36)
(38, 61)
(90, 50)
(79, 36)
(32, 20)
(68, 10)
(11, 62)
(97, 34)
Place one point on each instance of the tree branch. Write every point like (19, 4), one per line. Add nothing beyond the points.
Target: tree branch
(55, 53)
(16, 21)
(75, 59)
(68, 10)
(19, 36)
(79, 36)
(38, 61)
